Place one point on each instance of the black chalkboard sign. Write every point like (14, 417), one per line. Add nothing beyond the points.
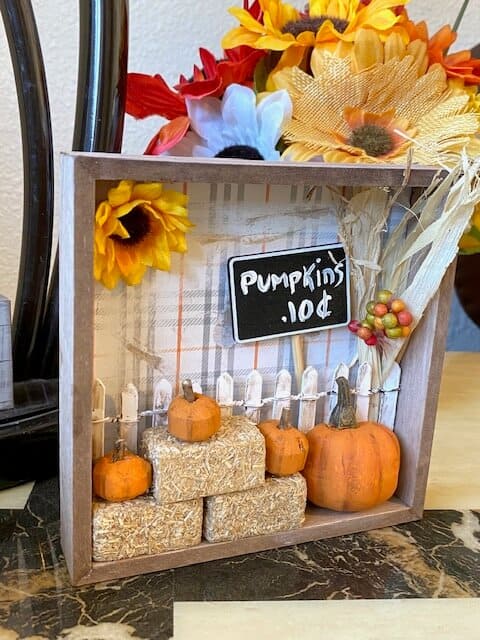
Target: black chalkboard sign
(283, 293)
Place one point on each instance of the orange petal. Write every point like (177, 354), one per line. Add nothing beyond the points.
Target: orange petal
(168, 136)
(124, 260)
(354, 117)
(443, 39)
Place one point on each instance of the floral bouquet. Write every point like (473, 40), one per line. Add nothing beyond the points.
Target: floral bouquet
(341, 81)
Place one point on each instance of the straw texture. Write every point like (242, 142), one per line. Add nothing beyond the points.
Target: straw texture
(231, 460)
(277, 506)
(141, 527)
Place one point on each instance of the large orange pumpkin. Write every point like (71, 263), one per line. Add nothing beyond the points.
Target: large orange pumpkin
(351, 466)
(286, 447)
(193, 417)
(121, 475)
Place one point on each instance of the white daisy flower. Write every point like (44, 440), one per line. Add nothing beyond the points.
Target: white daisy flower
(236, 126)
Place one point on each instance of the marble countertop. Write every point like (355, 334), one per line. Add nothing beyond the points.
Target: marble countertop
(436, 557)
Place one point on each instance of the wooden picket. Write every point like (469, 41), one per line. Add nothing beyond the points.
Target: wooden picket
(310, 399)
(283, 391)
(162, 397)
(342, 370)
(308, 402)
(362, 390)
(197, 388)
(224, 394)
(98, 419)
(129, 417)
(253, 396)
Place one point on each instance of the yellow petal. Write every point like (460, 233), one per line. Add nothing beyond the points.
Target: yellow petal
(274, 43)
(476, 217)
(382, 8)
(147, 190)
(298, 152)
(110, 279)
(135, 276)
(468, 242)
(382, 21)
(276, 14)
(367, 50)
(341, 49)
(98, 266)
(161, 253)
(328, 8)
(103, 213)
(121, 194)
(181, 243)
(238, 37)
(246, 19)
(128, 206)
(124, 259)
(175, 197)
(100, 240)
(110, 254)
(394, 47)
(291, 57)
(418, 49)
(116, 228)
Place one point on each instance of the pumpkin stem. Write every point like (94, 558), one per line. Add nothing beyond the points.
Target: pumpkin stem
(188, 390)
(119, 450)
(284, 422)
(343, 415)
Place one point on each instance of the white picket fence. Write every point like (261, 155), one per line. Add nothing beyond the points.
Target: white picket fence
(313, 405)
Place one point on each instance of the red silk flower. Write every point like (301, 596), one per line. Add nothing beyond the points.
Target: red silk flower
(151, 95)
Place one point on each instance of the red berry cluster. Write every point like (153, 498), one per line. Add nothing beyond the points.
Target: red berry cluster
(386, 316)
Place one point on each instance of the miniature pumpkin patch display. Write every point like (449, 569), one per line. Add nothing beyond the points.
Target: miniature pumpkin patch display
(193, 417)
(121, 475)
(351, 466)
(286, 446)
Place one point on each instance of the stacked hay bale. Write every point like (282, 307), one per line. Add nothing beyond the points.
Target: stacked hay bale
(216, 487)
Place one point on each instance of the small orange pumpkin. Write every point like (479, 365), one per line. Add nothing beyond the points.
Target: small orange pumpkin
(351, 466)
(121, 475)
(286, 446)
(193, 417)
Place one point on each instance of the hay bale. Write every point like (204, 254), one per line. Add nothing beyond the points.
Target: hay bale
(141, 527)
(231, 460)
(277, 506)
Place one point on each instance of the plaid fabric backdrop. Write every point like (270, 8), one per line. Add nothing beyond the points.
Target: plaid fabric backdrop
(177, 324)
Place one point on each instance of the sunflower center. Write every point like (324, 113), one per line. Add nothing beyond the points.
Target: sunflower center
(374, 140)
(137, 224)
(240, 151)
(307, 23)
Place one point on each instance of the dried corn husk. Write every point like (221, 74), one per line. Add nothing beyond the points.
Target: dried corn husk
(231, 460)
(141, 527)
(423, 256)
(414, 257)
(277, 506)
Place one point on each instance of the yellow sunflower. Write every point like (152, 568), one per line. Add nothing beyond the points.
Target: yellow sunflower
(282, 27)
(376, 115)
(369, 48)
(135, 228)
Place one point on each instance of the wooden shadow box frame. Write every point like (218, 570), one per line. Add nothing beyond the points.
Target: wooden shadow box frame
(421, 365)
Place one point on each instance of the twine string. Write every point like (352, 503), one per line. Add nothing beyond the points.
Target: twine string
(301, 397)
